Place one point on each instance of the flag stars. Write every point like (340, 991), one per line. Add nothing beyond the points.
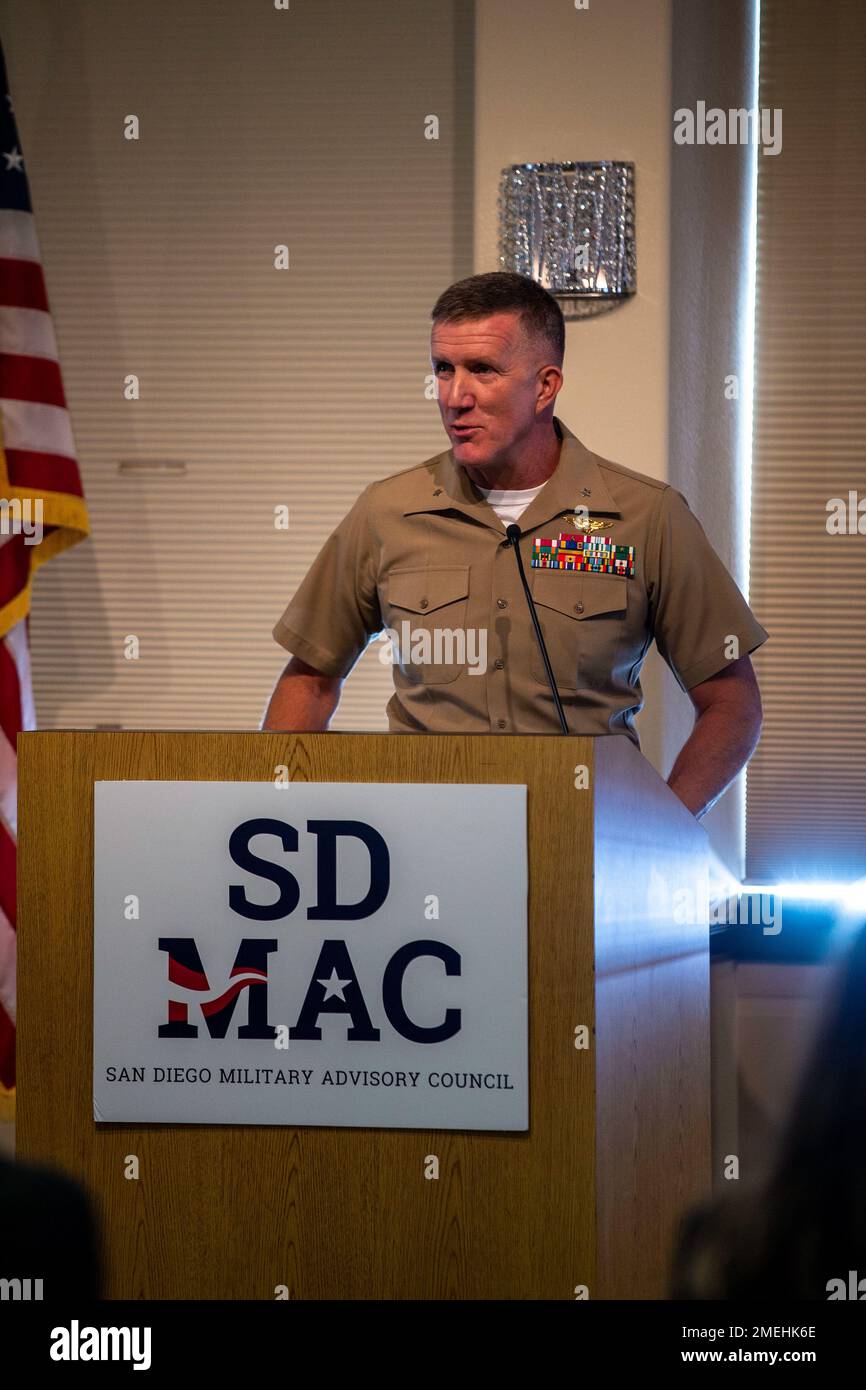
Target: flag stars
(14, 159)
(334, 985)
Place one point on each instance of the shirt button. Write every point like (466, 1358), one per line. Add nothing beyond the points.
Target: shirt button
(502, 603)
(500, 723)
(499, 664)
(578, 608)
(423, 603)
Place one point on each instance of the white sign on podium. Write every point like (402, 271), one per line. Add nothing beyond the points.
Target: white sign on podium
(348, 954)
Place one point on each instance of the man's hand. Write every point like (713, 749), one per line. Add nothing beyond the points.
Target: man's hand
(725, 736)
(303, 701)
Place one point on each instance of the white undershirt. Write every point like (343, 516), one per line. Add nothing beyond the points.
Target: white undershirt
(509, 504)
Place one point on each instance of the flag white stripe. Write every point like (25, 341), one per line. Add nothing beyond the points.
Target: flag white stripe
(28, 333)
(8, 785)
(34, 427)
(19, 650)
(30, 425)
(7, 965)
(18, 240)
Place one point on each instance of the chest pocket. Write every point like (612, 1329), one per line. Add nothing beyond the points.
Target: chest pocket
(583, 618)
(426, 611)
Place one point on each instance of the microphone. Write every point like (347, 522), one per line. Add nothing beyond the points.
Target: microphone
(513, 533)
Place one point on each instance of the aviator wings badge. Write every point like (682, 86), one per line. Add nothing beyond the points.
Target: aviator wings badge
(586, 524)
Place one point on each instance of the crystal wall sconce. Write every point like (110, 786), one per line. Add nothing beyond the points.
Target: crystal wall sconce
(570, 227)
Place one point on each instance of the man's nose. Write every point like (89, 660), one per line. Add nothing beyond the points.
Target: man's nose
(460, 391)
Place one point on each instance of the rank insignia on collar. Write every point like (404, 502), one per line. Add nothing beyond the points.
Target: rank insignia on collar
(585, 523)
(590, 554)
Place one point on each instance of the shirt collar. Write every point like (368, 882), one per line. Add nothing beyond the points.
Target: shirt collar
(575, 482)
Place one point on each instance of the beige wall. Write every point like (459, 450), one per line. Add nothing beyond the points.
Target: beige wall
(536, 79)
(644, 385)
(260, 388)
(557, 83)
(712, 213)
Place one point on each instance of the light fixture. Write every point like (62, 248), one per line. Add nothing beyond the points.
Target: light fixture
(570, 227)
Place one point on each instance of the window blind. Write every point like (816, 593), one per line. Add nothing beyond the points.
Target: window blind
(806, 786)
(259, 388)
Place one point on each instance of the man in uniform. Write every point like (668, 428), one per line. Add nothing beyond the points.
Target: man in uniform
(614, 560)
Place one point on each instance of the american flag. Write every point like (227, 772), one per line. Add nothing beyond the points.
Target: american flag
(39, 483)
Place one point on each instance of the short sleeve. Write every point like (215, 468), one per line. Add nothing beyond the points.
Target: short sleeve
(335, 612)
(696, 607)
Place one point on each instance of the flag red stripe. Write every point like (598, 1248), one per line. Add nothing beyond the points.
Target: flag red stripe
(31, 379)
(14, 568)
(37, 452)
(10, 698)
(39, 471)
(22, 284)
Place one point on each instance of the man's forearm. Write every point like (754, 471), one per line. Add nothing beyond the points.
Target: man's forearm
(303, 701)
(720, 744)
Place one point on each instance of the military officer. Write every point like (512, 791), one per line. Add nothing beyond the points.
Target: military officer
(615, 559)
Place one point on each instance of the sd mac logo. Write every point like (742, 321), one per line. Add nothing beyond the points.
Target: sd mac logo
(334, 986)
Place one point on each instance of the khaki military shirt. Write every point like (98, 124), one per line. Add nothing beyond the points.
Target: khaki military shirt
(423, 555)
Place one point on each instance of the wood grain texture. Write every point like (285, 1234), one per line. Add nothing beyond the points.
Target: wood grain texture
(652, 1021)
(233, 1212)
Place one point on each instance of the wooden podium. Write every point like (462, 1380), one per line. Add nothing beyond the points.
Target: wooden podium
(619, 1138)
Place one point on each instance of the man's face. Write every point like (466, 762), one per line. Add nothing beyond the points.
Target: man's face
(487, 374)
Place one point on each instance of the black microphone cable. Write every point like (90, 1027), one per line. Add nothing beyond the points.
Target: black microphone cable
(513, 534)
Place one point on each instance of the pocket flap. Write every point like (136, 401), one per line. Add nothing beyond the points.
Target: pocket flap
(579, 594)
(426, 588)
